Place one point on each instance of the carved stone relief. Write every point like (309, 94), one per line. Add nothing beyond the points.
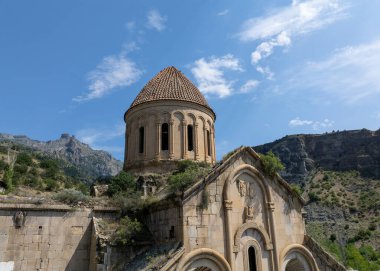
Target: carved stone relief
(242, 188)
(19, 219)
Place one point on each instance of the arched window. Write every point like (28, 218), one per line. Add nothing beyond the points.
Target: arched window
(141, 140)
(252, 259)
(208, 143)
(164, 137)
(190, 138)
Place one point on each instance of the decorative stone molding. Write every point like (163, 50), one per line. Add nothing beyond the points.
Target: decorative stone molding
(256, 246)
(251, 225)
(204, 254)
(242, 188)
(248, 214)
(290, 252)
(228, 204)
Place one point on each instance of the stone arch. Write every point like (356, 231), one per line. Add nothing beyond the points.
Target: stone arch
(192, 118)
(203, 258)
(165, 117)
(297, 258)
(250, 170)
(251, 225)
(256, 246)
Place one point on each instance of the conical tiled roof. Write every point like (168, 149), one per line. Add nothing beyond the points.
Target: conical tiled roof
(170, 84)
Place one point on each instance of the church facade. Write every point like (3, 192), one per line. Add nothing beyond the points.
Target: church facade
(237, 217)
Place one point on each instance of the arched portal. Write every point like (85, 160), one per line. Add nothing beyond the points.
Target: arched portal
(298, 258)
(295, 265)
(203, 259)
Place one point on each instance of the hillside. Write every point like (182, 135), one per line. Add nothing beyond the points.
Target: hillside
(339, 176)
(87, 163)
(338, 151)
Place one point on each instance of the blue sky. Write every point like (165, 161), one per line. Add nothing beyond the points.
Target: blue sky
(268, 68)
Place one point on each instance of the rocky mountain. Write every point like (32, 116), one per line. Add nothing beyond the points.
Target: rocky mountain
(88, 162)
(337, 151)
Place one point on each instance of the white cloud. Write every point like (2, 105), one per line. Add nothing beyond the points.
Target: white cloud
(156, 20)
(97, 138)
(223, 12)
(298, 122)
(278, 28)
(130, 25)
(114, 71)
(316, 125)
(210, 75)
(266, 71)
(248, 86)
(351, 73)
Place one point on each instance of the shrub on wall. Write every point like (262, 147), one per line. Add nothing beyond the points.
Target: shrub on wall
(271, 163)
(188, 173)
(127, 231)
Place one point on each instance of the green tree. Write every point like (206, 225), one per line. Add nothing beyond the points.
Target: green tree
(124, 181)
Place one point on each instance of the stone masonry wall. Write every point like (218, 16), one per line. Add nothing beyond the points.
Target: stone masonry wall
(45, 238)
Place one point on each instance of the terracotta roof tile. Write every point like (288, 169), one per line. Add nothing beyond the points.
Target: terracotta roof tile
(170, 84)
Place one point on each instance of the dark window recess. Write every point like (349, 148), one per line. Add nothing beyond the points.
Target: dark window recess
(171, 232)
(252, 259)
(208, 143)
(141, 140)
(190, 138)
(164, 137)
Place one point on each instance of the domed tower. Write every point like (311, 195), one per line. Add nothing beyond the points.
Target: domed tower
(169, 120)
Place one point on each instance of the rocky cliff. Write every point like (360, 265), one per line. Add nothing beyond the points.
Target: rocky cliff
(90, 163)
(338, 151)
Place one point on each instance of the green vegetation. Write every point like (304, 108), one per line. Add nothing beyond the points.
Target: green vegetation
(70, 196)
(297, 189)
(271, 163)
(122, 182)
(127, 231)
(355, 255)
(188, 173)
(8, 179)
(35, 170)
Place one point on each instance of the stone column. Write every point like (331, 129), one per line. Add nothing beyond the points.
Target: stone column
(171, 139)
(205, 141)
(228, 213)
(184, 138)
(212, 145)
(275, 260)
(158, 141)
(196, 147)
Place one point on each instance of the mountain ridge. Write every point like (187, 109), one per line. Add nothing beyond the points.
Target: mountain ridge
(91, 163)
(339, 151)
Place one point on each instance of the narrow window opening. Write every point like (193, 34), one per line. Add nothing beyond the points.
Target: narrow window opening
(141, 140)
(171, 232)
(164, 137)
(190, 138)
(208, 143)
(252, 259)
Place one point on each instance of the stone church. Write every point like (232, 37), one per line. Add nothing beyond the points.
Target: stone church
(253, 222)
